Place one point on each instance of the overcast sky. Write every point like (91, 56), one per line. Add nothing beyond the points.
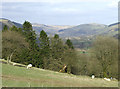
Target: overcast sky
(61, 12)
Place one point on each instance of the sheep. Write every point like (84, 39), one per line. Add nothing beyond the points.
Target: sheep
(14, 64)
(107, 79)
(2, 59)
(113, 79)
(29, 66)
(93, 76)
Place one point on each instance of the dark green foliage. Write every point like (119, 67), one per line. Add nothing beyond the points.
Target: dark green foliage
(57, 47)
(44, 44)
(27, 26)
(69, 43)
(56, 36)
(56, 53)
(5, 28)
(20, 30)
(35, 52)
(44, 39)
(14, 28)
(30, 34)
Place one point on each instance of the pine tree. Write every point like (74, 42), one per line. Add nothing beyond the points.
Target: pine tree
(69, 43)
(44, 44)
(5, 28)
(27, 26)
(30, 34)
(57, 47)
(34, 53)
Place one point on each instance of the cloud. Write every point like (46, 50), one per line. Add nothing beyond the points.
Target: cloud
(58, 1)
(65, 10)
(60, 11)
(113, 4)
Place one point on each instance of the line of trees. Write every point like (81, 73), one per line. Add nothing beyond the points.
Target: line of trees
(22, 45)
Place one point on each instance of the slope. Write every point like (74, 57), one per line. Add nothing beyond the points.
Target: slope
(14, 76)
(90, 30)
(9, 23)
(49, 29)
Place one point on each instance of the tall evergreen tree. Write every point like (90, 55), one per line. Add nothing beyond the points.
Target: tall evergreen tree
(5, 28)
(44, 44)
(30, 34)
(27, 26)
(34, 48)
(69, 43)
(57, 47)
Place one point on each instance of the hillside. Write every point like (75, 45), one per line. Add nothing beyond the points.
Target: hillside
(113, 29)
(50, 29)
(90, 30)
(9, 23)
(83, 30)
(14, 76)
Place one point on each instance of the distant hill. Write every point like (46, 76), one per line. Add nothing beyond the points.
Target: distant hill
(9, 23)
(90, 30)
(113, 24)
(114, 30)
(50, 29)
(83, 30)
(65, 31)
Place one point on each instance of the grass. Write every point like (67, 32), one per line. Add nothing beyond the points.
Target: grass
(14, 76)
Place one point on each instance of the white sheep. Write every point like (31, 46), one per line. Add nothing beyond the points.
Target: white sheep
(14, 64)
(114, 79)
(2, 59)
(29, 66)
(93, 76)
(107, 79)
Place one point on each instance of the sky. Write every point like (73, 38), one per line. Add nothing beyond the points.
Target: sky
(61, 12)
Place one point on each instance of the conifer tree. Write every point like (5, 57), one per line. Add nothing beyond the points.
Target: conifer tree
(5, 28)
(30, 34)
(69, 43)
(44, 44)
(57, 47)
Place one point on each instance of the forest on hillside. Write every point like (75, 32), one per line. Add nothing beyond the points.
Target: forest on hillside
(21, 45)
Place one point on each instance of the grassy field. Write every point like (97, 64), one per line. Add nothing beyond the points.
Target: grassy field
(14, 76)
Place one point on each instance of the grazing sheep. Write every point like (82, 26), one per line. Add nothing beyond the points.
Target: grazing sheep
(2, 59)
(114, 79)
(29, 66)
(93, 76)
(14, 64)
(107, 79)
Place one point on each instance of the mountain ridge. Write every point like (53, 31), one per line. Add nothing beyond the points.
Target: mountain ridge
(90, 29)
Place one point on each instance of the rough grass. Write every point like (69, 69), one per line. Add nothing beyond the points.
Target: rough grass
(14, 76)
